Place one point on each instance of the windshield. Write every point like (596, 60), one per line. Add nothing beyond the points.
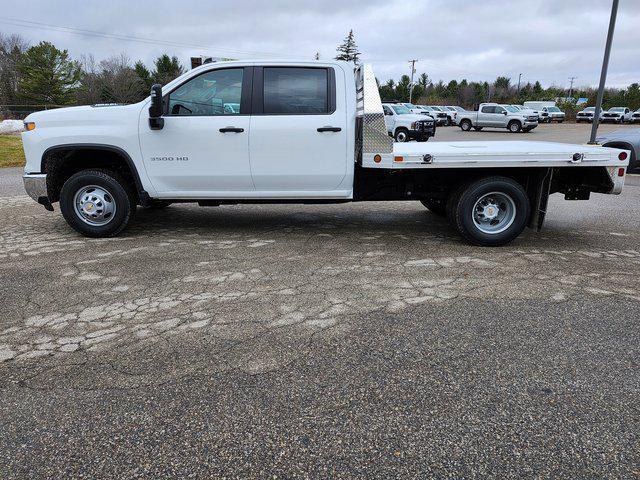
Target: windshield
(400, 109)
(553, 109)
(437, 109)
(460, 109)
(511, 109)
(590, 109)
(452, 109)
(616, 109)
(409, 105)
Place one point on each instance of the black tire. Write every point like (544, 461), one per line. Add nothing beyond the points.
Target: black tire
(514, 126)
(465, 125)
(461, 204)
(478, 129)
(118, 191)
(436, 206)
(401, 135)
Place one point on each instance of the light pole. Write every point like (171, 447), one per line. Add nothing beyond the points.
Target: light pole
(603, 73)
(519, 77)
(413, 71)
(571, 86)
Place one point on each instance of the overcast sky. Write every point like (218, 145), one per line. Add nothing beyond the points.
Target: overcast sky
(546, 40)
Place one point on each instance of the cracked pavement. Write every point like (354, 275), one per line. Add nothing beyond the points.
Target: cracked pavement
(319, 341)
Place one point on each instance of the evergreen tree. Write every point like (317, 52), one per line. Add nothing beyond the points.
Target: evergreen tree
(144, 73)
(47, 75)
(348, 51)
(167, 68)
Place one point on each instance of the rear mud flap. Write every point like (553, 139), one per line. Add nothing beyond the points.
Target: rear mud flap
(540, 199)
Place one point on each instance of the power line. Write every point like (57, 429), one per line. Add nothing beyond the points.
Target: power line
(149, 41)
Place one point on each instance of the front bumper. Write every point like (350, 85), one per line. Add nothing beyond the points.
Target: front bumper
(611, 119)
(422, 132)
(35, 184)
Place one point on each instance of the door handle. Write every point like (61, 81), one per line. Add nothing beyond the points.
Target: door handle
(329, 129)
(231, 130)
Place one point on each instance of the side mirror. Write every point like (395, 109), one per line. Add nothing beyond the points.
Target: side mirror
(156, 122)
(504, 112)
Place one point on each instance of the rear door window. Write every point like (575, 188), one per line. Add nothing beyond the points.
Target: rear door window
(296, 90)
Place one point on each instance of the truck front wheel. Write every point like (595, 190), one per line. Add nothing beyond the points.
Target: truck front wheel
(402, 135)
(489, 212)
(97, 203)
(514, 126)
(465, 125)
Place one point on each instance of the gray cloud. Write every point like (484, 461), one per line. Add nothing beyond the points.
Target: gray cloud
(548, 40)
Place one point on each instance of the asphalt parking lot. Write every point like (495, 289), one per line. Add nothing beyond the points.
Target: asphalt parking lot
(353, 340)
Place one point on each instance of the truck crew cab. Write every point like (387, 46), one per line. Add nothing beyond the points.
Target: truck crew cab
(251, 132)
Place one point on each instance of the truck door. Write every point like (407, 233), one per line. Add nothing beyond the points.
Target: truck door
(388, 119)
(203, 147)
(298, 129)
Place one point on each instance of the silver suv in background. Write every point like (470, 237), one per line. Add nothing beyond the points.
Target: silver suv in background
(635, 117)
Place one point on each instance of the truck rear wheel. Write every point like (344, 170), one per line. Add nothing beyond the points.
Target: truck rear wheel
(436, 206)
(489, 212)
(97, 203)
(465, 125)
(402, 135)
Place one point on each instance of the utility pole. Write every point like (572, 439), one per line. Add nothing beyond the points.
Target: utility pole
(571, 86)
(603, 73)
(413, 71)
(519, 77)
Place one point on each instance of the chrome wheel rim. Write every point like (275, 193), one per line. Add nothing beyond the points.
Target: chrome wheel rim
(94, 205)
(494, 212)
(401, 136)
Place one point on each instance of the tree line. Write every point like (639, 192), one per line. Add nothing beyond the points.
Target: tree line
(43, 75)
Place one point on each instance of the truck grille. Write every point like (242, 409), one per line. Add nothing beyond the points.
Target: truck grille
(610, 115)
(442, 115)
(532, 119)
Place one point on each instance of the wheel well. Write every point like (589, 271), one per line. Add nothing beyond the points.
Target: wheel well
(515, 120)
(60, 163)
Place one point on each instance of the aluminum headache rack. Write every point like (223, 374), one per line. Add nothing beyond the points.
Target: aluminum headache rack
(372, 138)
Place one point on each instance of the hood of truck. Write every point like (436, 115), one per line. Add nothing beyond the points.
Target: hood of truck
(83, 116)
(414, 117)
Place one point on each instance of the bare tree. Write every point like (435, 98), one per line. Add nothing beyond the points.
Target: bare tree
(11, 49)
(113, 80)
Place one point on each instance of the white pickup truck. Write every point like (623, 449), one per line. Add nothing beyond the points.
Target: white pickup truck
(309, 132)
(404, 126)
(493, 115)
